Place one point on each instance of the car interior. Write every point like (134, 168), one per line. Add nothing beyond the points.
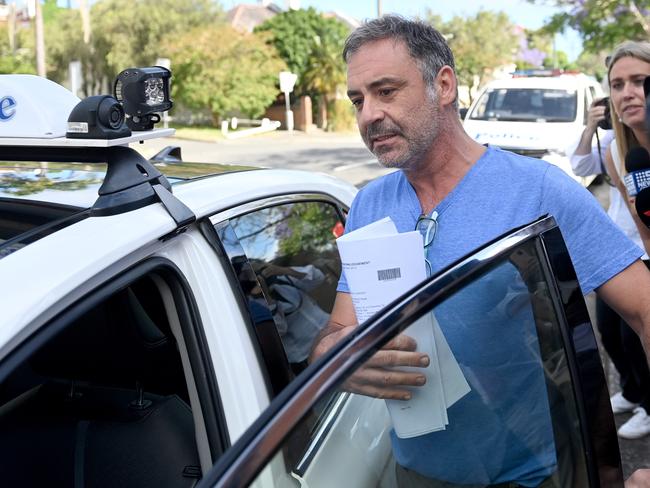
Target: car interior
(104, 402)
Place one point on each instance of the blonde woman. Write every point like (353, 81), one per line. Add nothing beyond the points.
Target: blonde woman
(628, 67)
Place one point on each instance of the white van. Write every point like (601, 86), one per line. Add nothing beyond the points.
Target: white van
(537, 116)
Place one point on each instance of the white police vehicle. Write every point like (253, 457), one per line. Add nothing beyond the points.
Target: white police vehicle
(145, 340)
(539, 113)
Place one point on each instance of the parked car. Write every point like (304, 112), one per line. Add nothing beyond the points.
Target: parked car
(537, 116)
(145, 339)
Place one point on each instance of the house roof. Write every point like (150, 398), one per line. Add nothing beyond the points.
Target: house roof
(245, 17)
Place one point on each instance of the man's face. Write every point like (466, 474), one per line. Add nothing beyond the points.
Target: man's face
(397, 117)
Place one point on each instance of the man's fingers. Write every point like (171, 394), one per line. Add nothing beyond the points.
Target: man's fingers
(391, 358)
(386, 377)
(401, 342)
(383, 383)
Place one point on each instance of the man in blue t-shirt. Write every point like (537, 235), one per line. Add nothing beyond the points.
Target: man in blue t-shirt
(401, 81)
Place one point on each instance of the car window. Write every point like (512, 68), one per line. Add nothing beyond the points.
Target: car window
(292, 250)
(105, 392)
(520, 418)
(526, 105)
(287, 265)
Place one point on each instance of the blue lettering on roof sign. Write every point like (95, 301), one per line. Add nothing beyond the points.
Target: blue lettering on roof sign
(7, 108)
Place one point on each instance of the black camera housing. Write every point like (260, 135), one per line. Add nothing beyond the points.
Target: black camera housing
(606, 123)
(97, 117)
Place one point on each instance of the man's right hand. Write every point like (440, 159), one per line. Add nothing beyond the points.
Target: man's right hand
(378, 377)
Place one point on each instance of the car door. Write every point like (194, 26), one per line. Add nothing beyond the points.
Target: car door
(537, 411)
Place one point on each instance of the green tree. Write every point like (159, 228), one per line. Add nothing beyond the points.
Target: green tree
(64, 43)
(480, 44)
(224, 70)
(124, 33)
(592, 64)
(325, 73)
(301, 38)
(602, 23)
(21, 58)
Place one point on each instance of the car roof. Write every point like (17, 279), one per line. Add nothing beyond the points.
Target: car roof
(70, 259)
(38, 198)
(561, 82)
(76, 184)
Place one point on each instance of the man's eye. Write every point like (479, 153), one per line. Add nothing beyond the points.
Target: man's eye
(386, 91)
(357, 103)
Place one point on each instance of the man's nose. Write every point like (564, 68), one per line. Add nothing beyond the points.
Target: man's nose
(370, 113)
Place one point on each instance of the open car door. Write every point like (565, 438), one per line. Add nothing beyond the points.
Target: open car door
(535, 411)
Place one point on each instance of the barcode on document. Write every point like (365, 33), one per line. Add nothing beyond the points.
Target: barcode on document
(388, 274)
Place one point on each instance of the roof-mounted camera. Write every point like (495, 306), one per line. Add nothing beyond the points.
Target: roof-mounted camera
(97, 117)
(42, 121)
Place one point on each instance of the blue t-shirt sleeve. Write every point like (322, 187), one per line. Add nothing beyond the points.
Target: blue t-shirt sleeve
(598, 248)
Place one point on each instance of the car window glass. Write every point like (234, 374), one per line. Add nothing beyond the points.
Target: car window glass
(510, 410)
(527, 105)
(291, 272)
(292, 250)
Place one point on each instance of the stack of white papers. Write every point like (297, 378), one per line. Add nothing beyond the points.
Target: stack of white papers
(380, 264)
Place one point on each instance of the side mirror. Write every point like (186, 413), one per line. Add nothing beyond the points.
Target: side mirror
(463, 112)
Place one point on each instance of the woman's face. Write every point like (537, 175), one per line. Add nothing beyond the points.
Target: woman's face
(626, 90)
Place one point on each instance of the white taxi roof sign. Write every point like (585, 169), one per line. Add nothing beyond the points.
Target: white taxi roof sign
(33, 107)
(34, 111)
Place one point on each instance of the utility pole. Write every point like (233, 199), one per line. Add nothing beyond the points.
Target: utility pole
(85, 20)
(40, 39)
(379, 12)
(11, 27)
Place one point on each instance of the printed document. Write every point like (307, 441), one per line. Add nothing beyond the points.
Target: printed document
(380, 264)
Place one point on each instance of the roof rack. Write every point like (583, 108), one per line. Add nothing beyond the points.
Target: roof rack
(131, 181)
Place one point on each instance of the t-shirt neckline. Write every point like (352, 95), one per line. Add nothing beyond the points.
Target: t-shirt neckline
(449, 199)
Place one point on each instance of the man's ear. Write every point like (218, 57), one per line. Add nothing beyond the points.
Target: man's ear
(446, 86)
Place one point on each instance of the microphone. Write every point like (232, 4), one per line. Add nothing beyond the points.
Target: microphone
(637, 164)
(637, 181)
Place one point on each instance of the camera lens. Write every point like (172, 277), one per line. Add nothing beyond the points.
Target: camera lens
(110, 113)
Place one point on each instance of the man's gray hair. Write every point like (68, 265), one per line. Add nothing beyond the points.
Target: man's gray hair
(425, 44)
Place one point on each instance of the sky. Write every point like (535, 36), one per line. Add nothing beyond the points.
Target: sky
(531, 16)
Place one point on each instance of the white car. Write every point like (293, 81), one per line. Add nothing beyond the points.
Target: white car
(145, 340)
(537, 116)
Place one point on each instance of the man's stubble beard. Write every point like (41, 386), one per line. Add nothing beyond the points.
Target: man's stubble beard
(419, 140)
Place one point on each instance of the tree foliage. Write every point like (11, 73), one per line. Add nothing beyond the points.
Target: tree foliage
(21, 58)
(592, 64)
(311, 46)
(124, 33)
(224, 70)
(602, 23)
(480, 44)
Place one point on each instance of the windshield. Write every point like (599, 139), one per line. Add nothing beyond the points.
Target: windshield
(527, 105)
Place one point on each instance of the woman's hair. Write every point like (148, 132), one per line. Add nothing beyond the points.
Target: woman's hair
(625, 139)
